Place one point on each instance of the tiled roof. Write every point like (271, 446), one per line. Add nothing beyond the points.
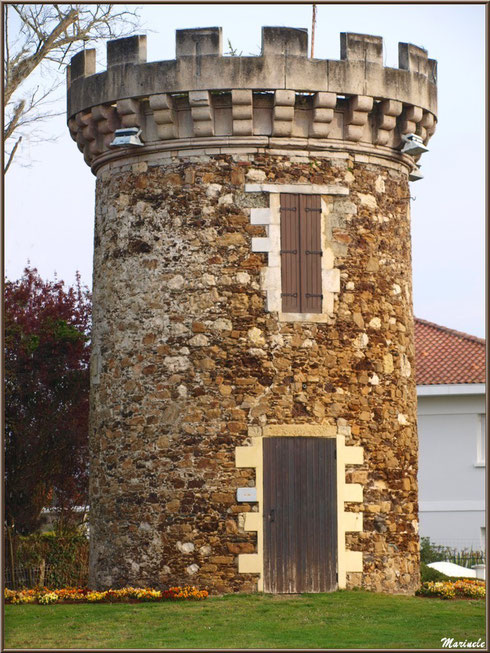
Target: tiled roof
(447, 356)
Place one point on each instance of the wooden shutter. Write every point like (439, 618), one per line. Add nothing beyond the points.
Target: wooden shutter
(301, 270)
(311, 253)
(290, 254)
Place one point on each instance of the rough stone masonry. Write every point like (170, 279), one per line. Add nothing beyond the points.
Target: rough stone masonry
(194, 359)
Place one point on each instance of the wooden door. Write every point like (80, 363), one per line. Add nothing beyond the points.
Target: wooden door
(300, 515)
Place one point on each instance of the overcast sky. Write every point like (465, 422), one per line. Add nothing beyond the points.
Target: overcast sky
(49, 205)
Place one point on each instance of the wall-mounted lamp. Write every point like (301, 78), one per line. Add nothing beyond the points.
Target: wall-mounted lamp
(414, 145)
(415, 175)
(128, 137)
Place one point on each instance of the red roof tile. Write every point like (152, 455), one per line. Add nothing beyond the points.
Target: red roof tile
(447, 356)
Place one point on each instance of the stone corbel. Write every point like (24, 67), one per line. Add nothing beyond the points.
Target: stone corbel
(86, 137)
(107, 121)
(242, 112)
(283, 113)
(202, 113)
(129, 112)
(427, 126)
(86, 132)
(73, 127)
(77, 136)
(164, 115)
(323, 109)
(410, 117)
(357, 116)
(388, 111)
(79, 139)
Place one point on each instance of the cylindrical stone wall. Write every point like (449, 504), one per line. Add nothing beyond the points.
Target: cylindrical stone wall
(194, 359)
(187, 358)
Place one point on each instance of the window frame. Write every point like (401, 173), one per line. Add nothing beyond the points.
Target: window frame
(480, 441)
(270, 244)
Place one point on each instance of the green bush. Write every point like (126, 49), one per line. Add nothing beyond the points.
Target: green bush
(65, 556)
(428, 574)
(430, 552)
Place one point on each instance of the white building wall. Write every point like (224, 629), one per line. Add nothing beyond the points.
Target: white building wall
(451, 468)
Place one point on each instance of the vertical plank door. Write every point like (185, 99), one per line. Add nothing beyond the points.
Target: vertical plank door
(300, 515)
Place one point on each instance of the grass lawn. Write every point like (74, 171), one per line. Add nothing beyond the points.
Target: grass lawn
(342, 619)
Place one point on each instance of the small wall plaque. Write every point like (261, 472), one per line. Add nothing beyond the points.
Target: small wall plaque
(248, 494)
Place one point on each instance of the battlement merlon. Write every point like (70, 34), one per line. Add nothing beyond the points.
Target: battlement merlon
(283, 64)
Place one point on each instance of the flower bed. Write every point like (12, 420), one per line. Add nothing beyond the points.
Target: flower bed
(45, 596)
(464, 588)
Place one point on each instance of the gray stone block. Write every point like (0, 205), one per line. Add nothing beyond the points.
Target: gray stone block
(285, 40)
(361, 47)
(82, 64)
(128, 50)
(197, 42)
(413, 58)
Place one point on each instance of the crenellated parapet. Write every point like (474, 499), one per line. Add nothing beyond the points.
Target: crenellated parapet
(281, 94)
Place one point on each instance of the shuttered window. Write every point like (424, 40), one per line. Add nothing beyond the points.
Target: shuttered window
(301, 270)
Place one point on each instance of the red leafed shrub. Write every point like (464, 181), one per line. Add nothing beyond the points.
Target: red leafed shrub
(47, 352)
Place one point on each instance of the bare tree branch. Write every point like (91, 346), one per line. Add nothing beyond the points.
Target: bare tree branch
(14, 121)
(43, 36)
(7, 49)
(12, 154)
(25, 66)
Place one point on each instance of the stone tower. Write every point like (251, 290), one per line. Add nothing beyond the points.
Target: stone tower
(253, 406)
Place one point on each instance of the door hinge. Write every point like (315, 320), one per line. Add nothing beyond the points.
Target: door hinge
(289, 294)
(288, 251)
(308, 294)
(311, 251)
(288, 208)
(312, 210)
